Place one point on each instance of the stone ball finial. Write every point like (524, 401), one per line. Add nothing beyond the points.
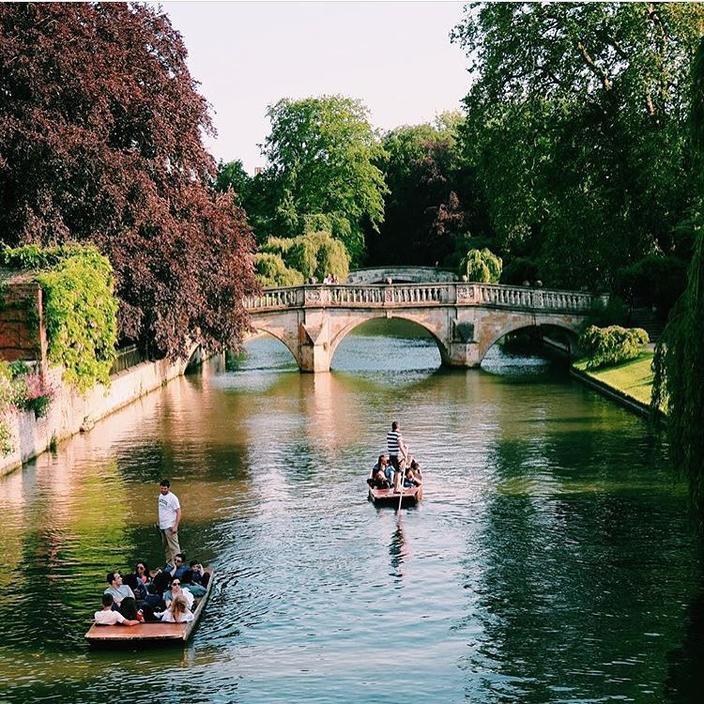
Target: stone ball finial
(539, 283)
(388, 280)
(465, 278)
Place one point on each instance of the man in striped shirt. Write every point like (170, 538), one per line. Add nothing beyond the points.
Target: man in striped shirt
(395, 445)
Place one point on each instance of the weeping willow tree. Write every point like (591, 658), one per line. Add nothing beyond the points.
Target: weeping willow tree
(679, 356)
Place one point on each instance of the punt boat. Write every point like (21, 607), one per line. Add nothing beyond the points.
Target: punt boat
(387, 497)
(150, 633)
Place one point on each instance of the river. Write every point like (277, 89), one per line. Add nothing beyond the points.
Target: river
(552, 559)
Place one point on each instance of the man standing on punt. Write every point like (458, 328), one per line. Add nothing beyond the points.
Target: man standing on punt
(169, 518)
(395, 446)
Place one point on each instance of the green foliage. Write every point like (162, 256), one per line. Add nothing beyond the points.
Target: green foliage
(656, 279)
(321, 155)
(272, 271)
(232, 175)
(316, 254)
(613, 312)
(678, 384)
(80, 308)
(575, 130)
(606, 347)
(519, 270)
(481, 265)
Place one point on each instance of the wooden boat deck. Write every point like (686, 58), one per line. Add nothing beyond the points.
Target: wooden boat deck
(151, 633)
(387, 497)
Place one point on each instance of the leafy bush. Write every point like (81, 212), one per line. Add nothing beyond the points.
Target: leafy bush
(605, 347)
(273, 272)
(481, 265)
(80, 307)
(315, 254)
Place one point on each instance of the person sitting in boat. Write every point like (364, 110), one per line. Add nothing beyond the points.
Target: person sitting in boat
(123, 596)
(177, 591)
(380, 477)
(109, 617)
(196, 579)
(141, 580)
(410, 478)
(179, 568)
(178, 612)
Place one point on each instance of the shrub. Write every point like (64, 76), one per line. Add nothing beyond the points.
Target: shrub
(605, 347)
(80, 307)
(315, 254)
(481, 265)
(272, 271)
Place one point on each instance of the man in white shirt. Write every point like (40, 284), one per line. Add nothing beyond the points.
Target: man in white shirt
(108, 617)
(169, 518)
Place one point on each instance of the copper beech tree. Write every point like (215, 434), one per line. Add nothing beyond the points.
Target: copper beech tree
(101, 140)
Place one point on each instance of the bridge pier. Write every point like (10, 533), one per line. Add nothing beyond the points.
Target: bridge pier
(462, 354)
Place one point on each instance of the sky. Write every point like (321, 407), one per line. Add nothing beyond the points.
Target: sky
(394, 56)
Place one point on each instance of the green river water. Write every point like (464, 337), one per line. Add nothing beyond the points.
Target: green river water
(552, 559)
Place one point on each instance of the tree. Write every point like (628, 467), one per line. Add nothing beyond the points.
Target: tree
(100, 141)
(431, 206)
(481, 265)
(321, 155)
(575, 127)
(679, 355)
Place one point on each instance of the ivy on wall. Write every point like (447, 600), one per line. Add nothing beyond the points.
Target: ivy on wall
(80, 308)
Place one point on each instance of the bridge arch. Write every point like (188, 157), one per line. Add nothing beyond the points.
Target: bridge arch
(515, 326)
(339, 335)
(290, 345)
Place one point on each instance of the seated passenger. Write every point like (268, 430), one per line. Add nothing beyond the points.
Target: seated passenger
(141, 580)
(123, 596)
(177, 591)
(178, 611)
(416, 469)
(179, 568)
(196, 579)
(380, 477)
(410, 479)
(107, 617)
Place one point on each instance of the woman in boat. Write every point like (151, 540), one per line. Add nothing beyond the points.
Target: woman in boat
(176, 591)
(410, 478)
(178, 611)
(380, 474)
(142, 580)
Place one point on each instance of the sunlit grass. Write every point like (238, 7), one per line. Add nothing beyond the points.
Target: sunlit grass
(633, 378)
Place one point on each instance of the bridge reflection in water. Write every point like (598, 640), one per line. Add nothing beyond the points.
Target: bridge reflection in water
(465, 319)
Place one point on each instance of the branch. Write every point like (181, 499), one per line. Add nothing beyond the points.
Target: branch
(596, 70)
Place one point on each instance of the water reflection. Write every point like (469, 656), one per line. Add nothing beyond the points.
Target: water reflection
(550, 560)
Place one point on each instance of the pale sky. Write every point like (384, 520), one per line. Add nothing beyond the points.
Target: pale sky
(395, 56)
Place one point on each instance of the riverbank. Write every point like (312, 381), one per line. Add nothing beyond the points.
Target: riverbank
(629, 384)
(71, 412)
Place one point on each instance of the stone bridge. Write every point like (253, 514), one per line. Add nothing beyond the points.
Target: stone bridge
(465, 319)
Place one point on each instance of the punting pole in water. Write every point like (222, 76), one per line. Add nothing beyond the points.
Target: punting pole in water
(400, 496)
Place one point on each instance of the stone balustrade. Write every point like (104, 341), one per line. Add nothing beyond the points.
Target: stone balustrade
(421, 295)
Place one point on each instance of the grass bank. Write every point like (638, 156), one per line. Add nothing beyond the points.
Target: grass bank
(633, 379)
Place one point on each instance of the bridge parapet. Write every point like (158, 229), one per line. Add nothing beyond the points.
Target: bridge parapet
(421, 296)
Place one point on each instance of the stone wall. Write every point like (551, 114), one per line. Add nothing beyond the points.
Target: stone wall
(71, 412)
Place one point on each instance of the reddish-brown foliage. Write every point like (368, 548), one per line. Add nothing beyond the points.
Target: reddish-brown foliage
(101, 140)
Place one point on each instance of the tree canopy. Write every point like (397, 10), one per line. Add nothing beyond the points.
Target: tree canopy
(100, 141)
(321, 160)
(679, 355)
(575, 127)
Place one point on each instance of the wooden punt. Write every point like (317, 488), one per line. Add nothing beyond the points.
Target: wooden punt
(152, 633)
(387, 497)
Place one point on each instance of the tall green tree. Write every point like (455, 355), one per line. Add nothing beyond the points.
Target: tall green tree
(431, 204)
(321, 160)
(575, 126)
(679, 358)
